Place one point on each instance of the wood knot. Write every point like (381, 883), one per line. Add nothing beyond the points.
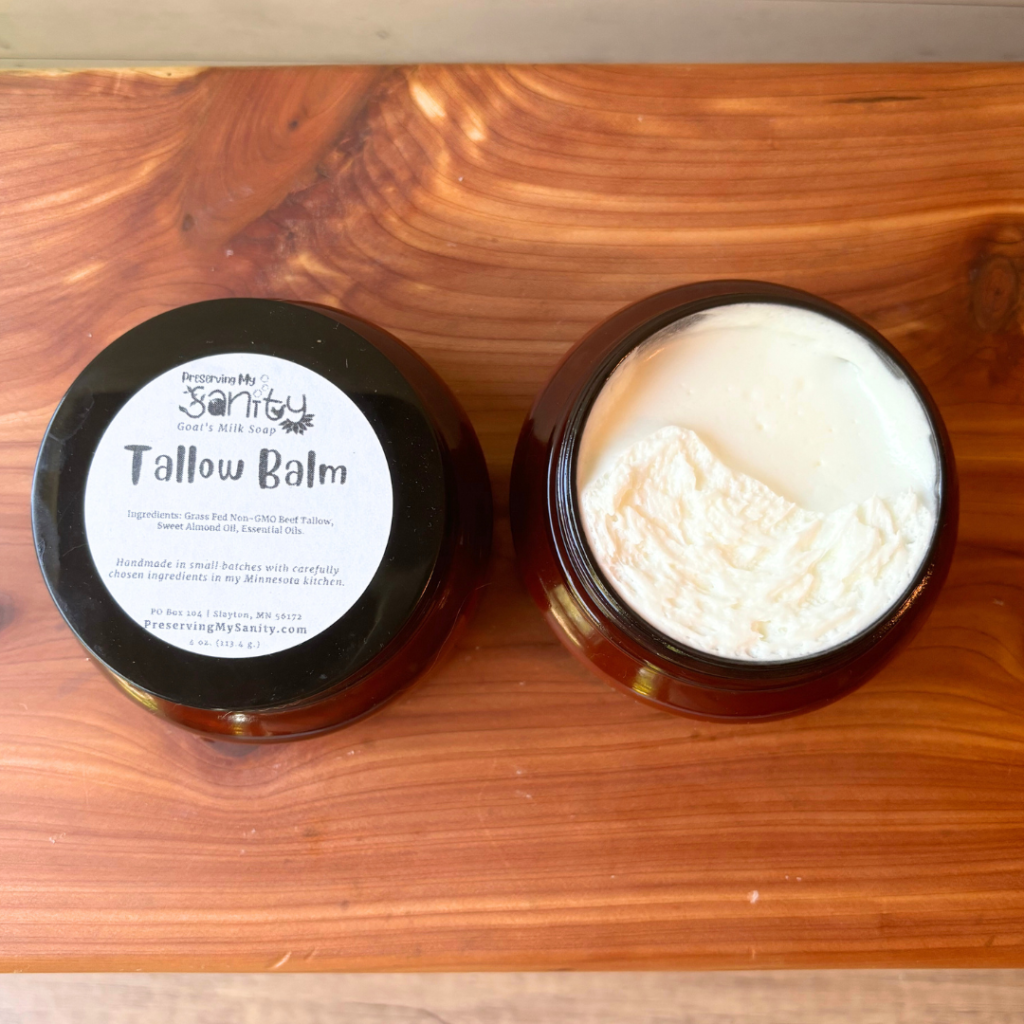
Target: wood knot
(994, 293)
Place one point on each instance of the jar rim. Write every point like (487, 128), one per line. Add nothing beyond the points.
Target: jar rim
(620, 336)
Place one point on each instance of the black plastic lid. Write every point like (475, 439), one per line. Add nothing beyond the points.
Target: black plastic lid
(287, 331)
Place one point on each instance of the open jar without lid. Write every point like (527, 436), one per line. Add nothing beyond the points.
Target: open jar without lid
(263, 519)
(596, 616)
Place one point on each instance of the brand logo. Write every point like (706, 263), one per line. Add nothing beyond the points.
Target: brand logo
(247, 403)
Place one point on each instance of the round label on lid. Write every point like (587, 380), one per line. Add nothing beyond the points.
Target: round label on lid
(238, 505)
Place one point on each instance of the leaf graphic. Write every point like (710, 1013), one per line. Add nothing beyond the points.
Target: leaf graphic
(298, 426)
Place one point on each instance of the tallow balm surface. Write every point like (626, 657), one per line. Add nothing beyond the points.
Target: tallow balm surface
(757, 482)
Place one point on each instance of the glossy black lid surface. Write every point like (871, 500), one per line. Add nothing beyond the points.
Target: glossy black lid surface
(316, 341)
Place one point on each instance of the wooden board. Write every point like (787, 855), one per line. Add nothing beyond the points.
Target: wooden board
(513, 812)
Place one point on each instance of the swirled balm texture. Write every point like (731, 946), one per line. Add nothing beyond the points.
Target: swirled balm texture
(757, 482)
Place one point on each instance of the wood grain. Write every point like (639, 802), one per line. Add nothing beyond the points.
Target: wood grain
(512, 812)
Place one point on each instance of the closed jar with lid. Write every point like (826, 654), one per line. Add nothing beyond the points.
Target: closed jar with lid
(263, 519)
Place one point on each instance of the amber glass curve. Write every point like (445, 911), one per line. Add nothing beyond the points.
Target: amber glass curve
(442, 605)
(584, 610)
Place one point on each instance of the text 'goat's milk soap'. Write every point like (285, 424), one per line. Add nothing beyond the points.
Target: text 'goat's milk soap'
(215, 522)
(735, 500)
(264, 519)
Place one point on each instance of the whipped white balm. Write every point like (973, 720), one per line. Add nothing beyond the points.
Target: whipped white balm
(757, 482)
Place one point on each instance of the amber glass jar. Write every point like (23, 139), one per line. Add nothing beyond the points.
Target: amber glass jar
(584, 609)
(263, 519)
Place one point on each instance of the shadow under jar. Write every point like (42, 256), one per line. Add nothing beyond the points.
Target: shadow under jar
(263, 519)
(587, 610)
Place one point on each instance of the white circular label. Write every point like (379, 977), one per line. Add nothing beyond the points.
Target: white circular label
(238, 505)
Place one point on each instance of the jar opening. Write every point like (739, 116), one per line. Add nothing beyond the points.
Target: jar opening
(648, 440)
